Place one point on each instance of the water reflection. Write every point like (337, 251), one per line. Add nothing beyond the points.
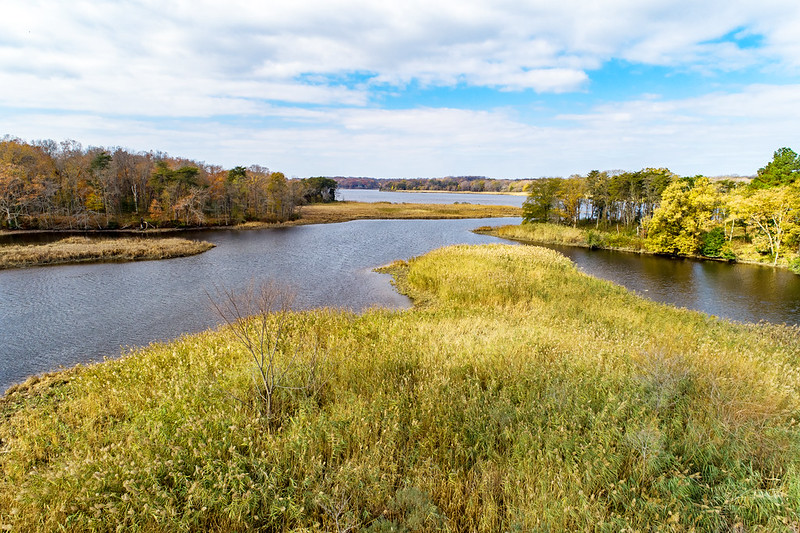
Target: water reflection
(747, 293)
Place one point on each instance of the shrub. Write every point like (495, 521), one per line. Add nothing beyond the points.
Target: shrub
(712, 243)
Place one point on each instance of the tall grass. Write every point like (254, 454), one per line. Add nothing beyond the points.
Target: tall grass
(341, 211)
(547, 233)
(520, 395)
(84, 249)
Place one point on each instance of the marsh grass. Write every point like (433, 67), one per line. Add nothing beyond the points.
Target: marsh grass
(628, 241)
(84, 249)
(546, 233)
(346, 211)
(522, 396)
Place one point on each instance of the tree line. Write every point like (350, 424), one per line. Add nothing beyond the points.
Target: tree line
(686, 216)
(448, 184)
(50, 185)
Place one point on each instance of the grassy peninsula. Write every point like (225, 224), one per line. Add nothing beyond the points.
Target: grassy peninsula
(85, 250)
(519, 394)
(625, 240)
(548, 233)
(329, 213)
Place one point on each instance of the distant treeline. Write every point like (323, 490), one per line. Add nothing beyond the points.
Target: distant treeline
(682, 215)
(50, 185)
(449, 183)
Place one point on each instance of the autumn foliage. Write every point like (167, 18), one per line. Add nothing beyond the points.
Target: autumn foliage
(49, 185)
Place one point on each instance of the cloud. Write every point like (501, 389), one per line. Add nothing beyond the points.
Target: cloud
(197, 56)
(713, 134)
(299, 86)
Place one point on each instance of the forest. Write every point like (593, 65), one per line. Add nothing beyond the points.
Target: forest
(682, 216)
(50, 185)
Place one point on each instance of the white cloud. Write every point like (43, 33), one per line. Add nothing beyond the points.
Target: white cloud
(294, 85)
(711, 134)
(198, 51)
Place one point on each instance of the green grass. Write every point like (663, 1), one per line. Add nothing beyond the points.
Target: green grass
(518, 395)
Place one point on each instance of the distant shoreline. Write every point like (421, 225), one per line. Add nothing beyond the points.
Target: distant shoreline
(447, 192)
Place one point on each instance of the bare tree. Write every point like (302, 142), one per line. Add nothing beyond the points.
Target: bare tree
(259, 319)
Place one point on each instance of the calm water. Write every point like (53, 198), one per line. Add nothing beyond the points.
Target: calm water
(374, 195)
(745, 293)
(63, 315)
(60, 316)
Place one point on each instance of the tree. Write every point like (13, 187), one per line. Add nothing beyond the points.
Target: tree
(540, 205)
(12, 190)
(280, 201)
(572, 194)
(773, 211)
(236, 174)
(782, 170)
(599, 196)
(319, 189)
(260, 320)
(687, 211)
(655, 182)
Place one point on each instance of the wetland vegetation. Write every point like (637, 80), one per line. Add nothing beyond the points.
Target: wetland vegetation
(518, 394)
(94, 250)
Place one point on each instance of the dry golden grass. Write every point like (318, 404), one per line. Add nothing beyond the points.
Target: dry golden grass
(84, 249)
(523, 395)
(346, 211)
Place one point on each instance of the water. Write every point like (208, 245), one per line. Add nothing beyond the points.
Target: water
(398, 197)
(745, 293)
(63, 315)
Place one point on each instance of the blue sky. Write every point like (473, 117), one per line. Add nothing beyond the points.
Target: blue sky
(506, 89)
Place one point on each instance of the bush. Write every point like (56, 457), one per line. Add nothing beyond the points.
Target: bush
(712, 243)
(794, 265)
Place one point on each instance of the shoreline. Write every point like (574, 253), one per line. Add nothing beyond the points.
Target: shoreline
(77, 250)
(330, 213)
(515, 193)
(493, 231)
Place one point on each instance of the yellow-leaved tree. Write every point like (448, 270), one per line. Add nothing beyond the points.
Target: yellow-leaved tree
(773, 211)
(689, 208)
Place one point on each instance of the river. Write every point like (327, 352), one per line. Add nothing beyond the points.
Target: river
(428, 197)
(63, 315)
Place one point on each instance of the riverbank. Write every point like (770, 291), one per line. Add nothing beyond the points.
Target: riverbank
(518, 394)
(330, 213)
(546, 233)
(508, 193)
(86, 250)
(347, 211)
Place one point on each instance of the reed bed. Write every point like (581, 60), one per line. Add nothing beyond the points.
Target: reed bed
(84, 249)
(518, 395)
(547, 233)
(347, 211)
(344, 211)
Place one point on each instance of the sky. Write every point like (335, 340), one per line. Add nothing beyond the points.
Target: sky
(418, 88)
